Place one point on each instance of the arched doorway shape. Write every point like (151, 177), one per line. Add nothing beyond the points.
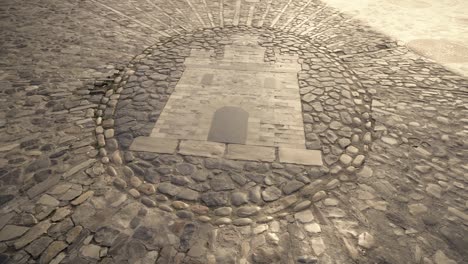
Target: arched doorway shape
(229, 125)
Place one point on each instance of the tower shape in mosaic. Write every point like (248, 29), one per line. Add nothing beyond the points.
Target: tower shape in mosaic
(238, 99)
(267, 92)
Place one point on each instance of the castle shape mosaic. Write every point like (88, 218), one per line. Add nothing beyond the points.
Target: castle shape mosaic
(239, 99)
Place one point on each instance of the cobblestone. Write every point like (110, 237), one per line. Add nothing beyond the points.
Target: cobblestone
(80, 182)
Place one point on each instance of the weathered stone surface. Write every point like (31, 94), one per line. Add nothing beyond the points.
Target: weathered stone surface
(222, 183)
(82, 198)
(187, 194)
(158, 145)
(213, 199)
(246, 211)
(201, 148)
(32, 234)
(301, 156)
(52, 250)
(292, 186)
(91, 251)
(38, 246)
(10, 232)
(252, 153)
(271, 194)
(239, 198)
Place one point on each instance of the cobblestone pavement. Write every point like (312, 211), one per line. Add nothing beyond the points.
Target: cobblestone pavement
(81, 80)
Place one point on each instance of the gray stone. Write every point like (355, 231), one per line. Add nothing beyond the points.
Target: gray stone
(305, 216)
(222, 183)
(148, 202)
(185, 168)
(105, 236)
(201, 148)
(242, 221)
(10, 232)
(255, 195)
(52, 251)
(292, 186)
(32, 234)
(151, 144)
(246, 211)
(252, 153)
(366, 240)
(143, 233)
(43, 186)
(434, 190)
(441, 258)
(271, 194)
(38, 246)
(229, 125)
(223, 221)
(91, 251)
(60, 228)
(214, 199)
(73, 233)
(239, 198)
(389, 140)
(266, 255)
(168, 189)
(238, 178)
(319, 196)
(187, 194)
(301, 156)
(180, 180)
(184, 214)
(302, 205)
(223, 211)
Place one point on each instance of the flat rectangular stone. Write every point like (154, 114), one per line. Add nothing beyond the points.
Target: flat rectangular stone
(157, 145)
(43, 186)
(8, 147)
(301, 156)
(201, 148)
(253, 153)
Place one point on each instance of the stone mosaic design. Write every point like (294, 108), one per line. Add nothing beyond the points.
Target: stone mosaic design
(268, 92)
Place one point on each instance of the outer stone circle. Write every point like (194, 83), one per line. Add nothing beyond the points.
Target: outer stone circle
(336, 114)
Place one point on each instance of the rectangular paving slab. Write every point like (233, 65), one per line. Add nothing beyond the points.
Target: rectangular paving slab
(301, 156)
(158, 145)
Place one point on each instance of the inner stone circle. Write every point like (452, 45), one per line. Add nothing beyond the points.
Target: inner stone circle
(301, 117)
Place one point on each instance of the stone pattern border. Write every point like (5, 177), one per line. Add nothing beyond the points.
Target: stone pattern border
(336, 115)
(227, 151)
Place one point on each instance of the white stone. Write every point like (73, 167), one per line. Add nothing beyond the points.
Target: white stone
(318, 245)
(313, 228)
(301, 156)
(305, 216)
(441, 258)
(157, 145)
(201, 148)
(91, 251)
(389, 140)
(253, 153)
(366, 240)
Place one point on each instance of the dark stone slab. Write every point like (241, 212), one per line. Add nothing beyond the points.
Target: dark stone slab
(229, 125)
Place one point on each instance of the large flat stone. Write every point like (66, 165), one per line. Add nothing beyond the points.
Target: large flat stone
(157, 145)
(301, 156)
(12, 231)
(43, 186)
(253, 153)
(201, 148)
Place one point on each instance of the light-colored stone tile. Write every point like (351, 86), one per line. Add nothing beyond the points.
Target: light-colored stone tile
(254, 153)
(301, 156)
(202, 148)
(158, 145)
